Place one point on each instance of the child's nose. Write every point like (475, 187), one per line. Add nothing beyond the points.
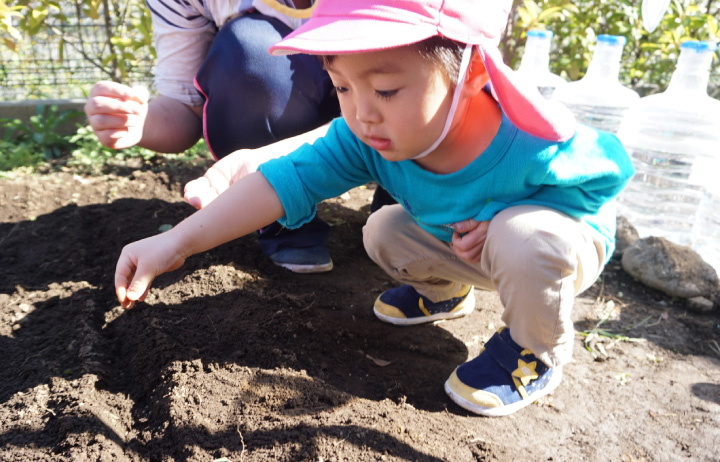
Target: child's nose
(365, 112)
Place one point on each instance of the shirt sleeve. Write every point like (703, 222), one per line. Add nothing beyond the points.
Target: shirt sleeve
(183, 34)
(329, 167)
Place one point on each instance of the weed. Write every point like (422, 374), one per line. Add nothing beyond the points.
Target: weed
(40, 134)
(595, 337)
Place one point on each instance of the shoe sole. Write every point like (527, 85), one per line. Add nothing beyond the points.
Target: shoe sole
(508, 408)
(306, 269)
(466, 307)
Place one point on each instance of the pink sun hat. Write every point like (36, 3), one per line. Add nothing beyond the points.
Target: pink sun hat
(354, 26)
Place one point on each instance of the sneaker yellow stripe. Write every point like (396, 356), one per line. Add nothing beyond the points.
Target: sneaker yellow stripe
(421, 305)
(520, 388)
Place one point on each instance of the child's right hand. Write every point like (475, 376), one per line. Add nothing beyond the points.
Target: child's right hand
(117, 113)
(141, 262)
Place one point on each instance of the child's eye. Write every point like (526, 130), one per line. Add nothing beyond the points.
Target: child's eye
(341, 90)
(386, 94)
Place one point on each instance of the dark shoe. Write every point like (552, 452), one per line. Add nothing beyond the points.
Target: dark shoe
(404, 306)
(303, 260)
(502, 379)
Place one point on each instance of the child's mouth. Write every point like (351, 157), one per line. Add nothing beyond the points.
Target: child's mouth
(379, 144)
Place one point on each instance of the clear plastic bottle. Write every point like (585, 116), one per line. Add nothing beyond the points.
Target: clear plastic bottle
(673, 139)
(535, 63)
(706, 231)
(599, 99)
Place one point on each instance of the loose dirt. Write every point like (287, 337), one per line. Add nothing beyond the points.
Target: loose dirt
(234, 359)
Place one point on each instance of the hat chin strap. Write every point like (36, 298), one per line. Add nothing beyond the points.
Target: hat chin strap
(453, 106)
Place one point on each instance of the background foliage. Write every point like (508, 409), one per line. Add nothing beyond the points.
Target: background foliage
(648, 59)
(125, 42)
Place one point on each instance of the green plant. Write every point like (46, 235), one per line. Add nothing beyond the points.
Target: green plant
(41, 132)
(89, 156)
(14, 155)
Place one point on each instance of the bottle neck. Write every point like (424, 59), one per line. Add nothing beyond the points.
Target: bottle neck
(605, 63)
(692, 73)
(536, 56)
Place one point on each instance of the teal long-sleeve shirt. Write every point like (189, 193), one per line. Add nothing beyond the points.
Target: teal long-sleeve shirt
(580, 177)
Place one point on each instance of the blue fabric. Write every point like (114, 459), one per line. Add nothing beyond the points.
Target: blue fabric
(254, 99)
(579, 177)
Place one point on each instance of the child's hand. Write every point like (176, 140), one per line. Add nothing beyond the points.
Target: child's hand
(117, 113)
(141, 262)
(201, 191)
(469, 239)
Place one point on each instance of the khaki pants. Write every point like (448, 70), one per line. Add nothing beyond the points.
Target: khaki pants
(536, 258)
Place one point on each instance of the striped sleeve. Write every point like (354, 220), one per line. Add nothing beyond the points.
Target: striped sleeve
(183, 32)
(183, 14)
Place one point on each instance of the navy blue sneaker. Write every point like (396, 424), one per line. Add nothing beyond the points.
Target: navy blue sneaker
(404, 306)
(503, 379)
(304, 259)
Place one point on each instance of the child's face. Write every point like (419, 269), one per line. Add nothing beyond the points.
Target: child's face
(394, 100)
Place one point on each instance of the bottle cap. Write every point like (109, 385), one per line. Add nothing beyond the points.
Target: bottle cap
(612, 39)
(698, 46)
(540, 33)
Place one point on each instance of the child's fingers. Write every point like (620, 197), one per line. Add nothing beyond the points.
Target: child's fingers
(123, 273)
(137, 290)
(465, 226)
(199, 193)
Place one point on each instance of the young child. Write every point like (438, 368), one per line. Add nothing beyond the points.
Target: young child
(496, 189)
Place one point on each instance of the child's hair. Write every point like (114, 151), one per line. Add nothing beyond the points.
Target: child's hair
(441, 51)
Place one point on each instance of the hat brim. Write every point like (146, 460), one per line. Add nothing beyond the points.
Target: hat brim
(520, 100)
(331, 36)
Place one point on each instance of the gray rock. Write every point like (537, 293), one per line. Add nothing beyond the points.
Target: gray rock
(700, 305)
(625, 236)
(676, 270)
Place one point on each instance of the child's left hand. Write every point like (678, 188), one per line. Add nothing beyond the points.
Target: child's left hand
(469, 239)
(142, 261)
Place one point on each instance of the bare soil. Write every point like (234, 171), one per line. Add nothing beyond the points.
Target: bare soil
(235, 359)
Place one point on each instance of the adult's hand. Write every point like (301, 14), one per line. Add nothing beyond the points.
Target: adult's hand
(117, 113)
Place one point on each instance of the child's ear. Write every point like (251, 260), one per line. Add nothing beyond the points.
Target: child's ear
(477, 76)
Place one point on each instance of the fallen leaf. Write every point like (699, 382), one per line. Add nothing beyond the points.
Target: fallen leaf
(379, 362)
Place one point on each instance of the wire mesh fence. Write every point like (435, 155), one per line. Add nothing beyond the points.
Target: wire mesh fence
(64, 59)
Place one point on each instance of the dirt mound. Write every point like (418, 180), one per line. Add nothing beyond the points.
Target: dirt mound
(232, 357)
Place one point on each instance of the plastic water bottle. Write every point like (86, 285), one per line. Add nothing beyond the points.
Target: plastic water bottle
(706, 232)
(535, 63)
(673, 139)
(599, 99)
